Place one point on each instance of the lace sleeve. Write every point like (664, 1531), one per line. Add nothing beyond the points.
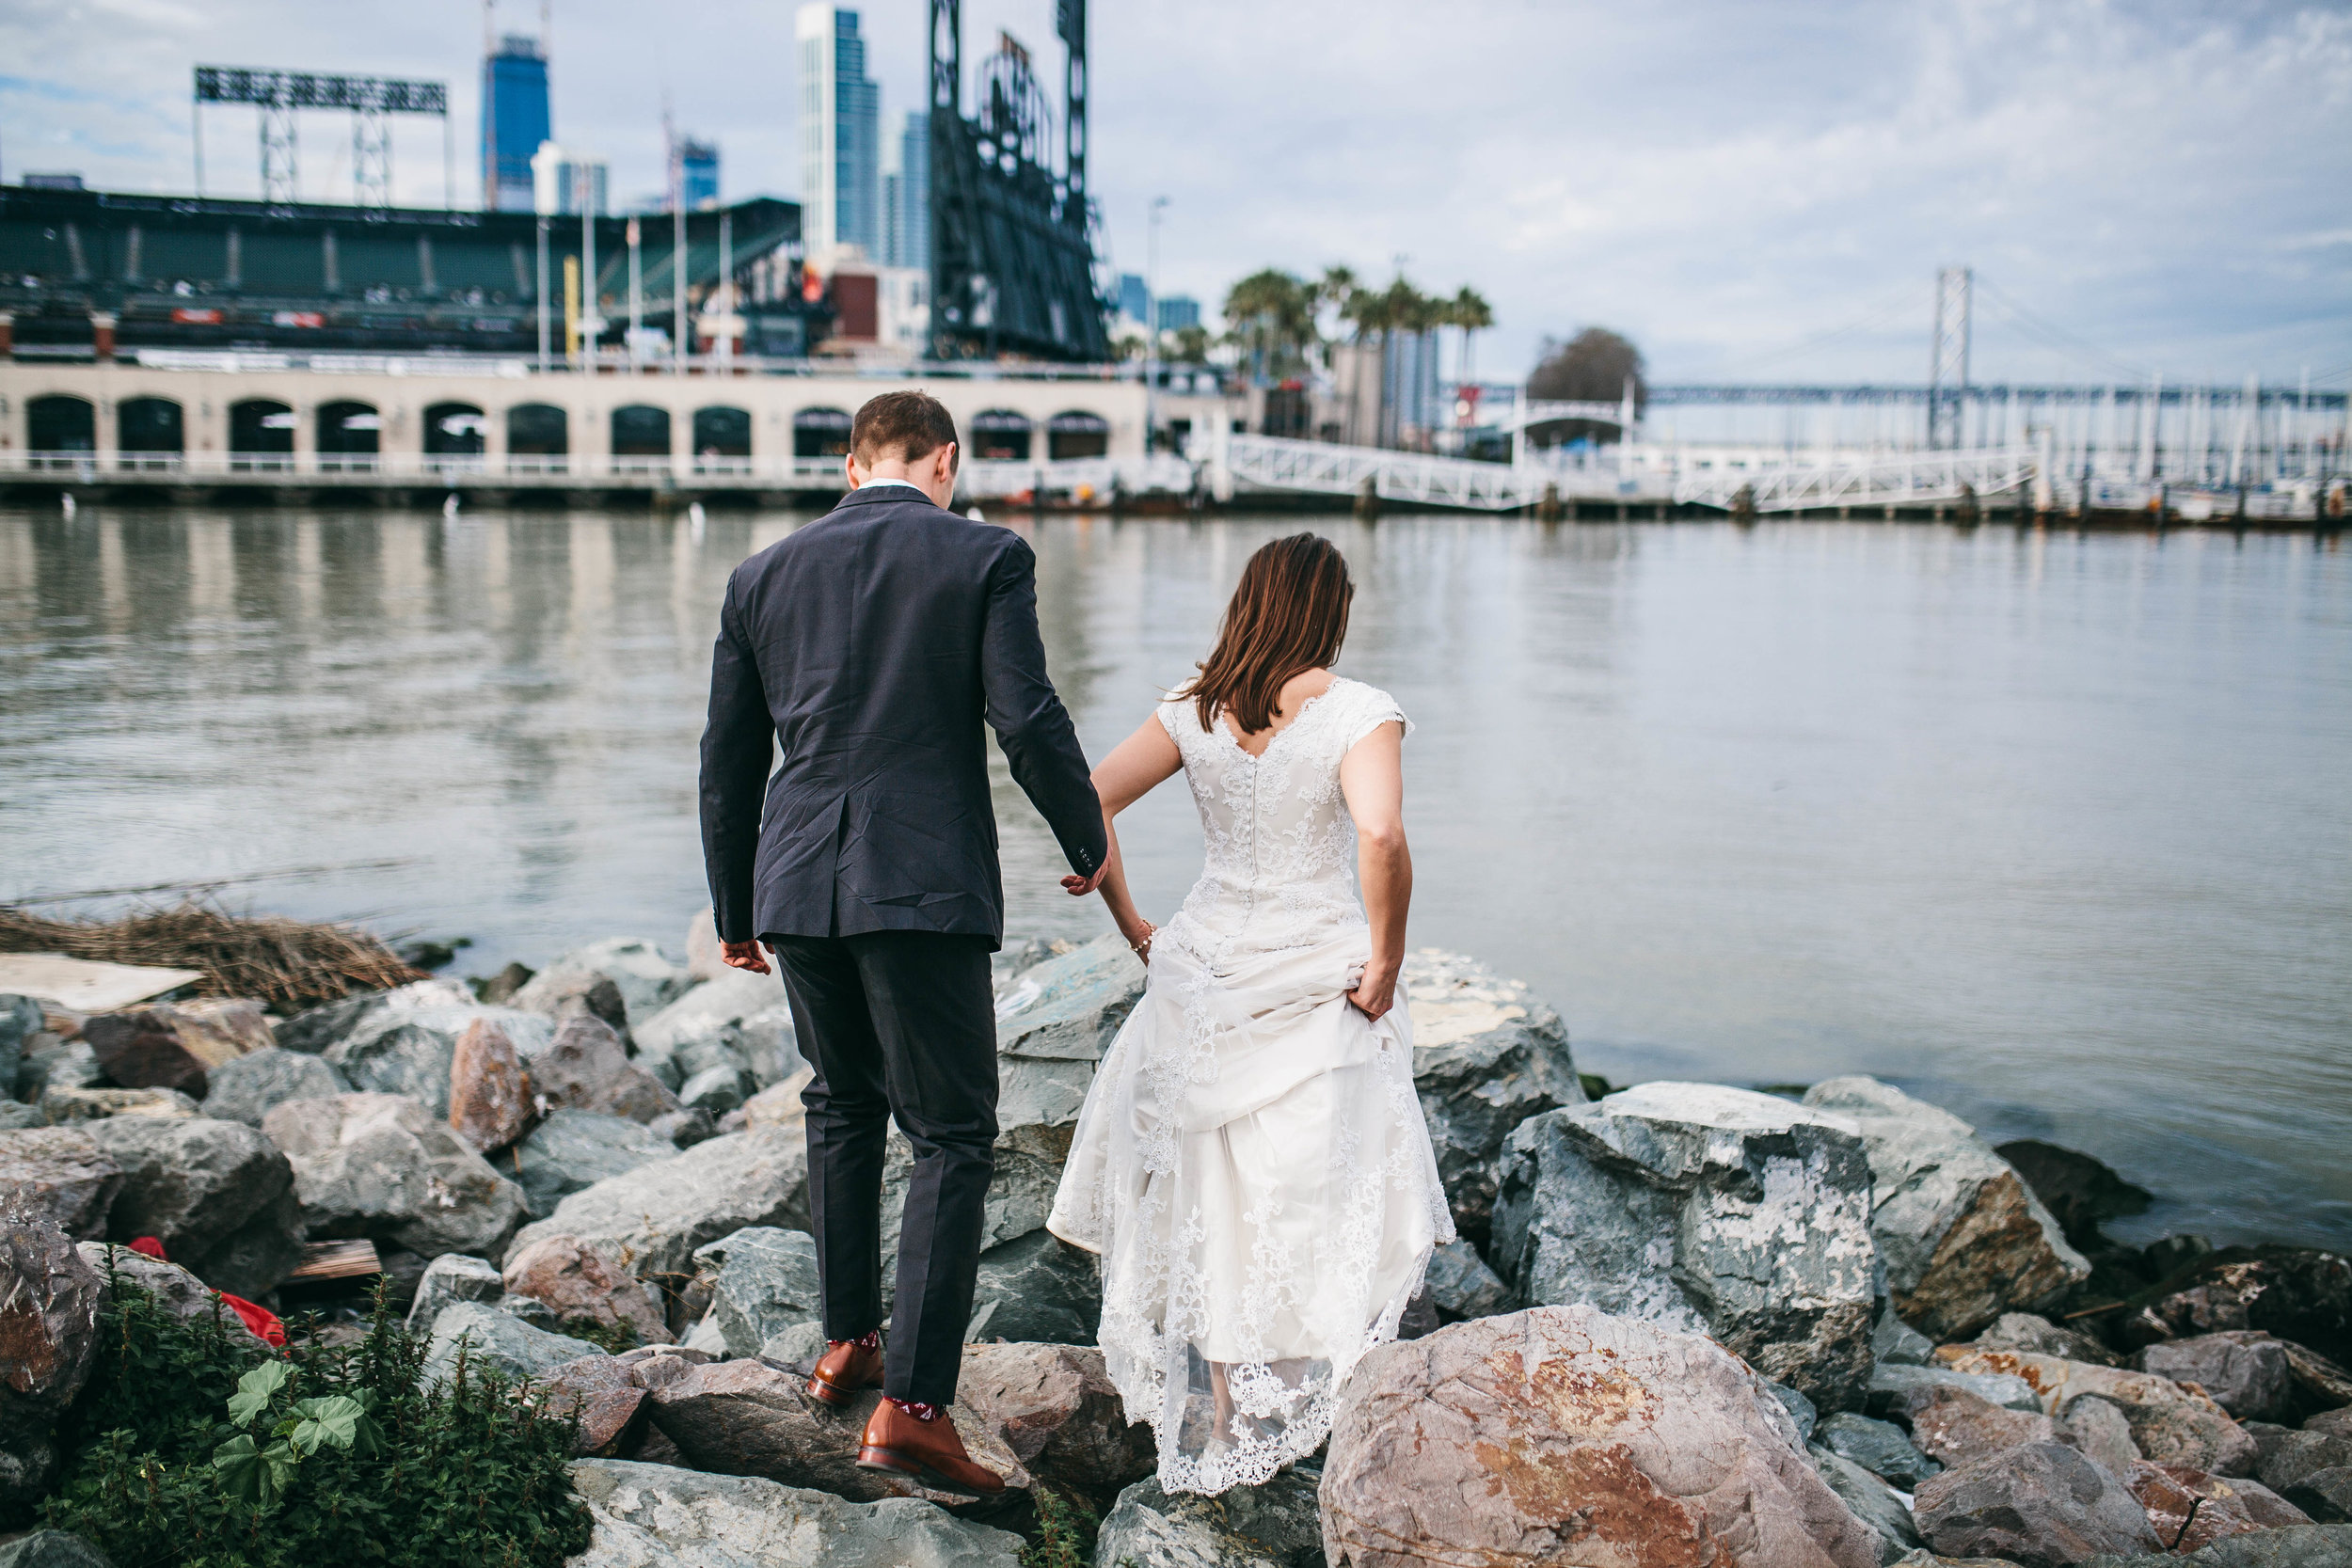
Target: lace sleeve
(1376, 709)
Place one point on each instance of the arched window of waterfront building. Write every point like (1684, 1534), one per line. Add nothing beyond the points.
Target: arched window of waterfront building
(722, 436)
(641, 431)
(261, 435)
(538, 437)
(350, 436)
(821, 433)
(60, 425)
(1000, 435)
(455, 430)
(1077, 433)
(150, 432)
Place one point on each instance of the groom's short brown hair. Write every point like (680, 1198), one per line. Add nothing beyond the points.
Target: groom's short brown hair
(908, 426)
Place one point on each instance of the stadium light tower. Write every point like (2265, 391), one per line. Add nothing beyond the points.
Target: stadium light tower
(278, 93)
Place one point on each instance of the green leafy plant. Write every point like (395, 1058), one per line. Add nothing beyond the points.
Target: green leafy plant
(194, 1446)
(1065, 1532)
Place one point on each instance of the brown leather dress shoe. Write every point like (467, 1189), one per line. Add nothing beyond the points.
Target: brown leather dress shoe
(929, 1452)
(847, 1366)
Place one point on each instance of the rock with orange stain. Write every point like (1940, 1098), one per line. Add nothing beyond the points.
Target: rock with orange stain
(489, 1096)
(1705, 1210)
(1566, 1435)
(2190, 1509)
(1964, 1239)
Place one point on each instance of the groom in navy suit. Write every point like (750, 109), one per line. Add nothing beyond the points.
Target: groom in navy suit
(870, 646)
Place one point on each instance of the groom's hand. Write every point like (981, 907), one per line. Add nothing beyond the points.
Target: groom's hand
(743, 955)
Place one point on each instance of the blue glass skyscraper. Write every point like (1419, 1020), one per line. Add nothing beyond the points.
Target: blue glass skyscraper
(907, 198)
(698, 173)
(840, 135)
(514, 121)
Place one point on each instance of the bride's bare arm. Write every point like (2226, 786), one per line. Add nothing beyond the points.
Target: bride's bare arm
(1372, 778)
(1134, 768)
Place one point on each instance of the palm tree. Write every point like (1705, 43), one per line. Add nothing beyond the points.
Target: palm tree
(1469, 312)
(1270, 315)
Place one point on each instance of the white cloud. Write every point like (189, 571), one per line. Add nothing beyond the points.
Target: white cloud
(2171, 181)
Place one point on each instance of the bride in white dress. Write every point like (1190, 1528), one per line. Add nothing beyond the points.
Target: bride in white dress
(1251, 1165)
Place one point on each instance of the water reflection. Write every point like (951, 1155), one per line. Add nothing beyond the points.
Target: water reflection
(2047, 827)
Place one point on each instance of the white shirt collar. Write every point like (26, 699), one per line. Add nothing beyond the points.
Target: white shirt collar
(908, 482)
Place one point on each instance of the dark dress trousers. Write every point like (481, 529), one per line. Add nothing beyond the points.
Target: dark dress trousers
(872, 646)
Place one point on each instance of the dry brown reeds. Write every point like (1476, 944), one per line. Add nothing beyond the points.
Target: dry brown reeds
(290, 964)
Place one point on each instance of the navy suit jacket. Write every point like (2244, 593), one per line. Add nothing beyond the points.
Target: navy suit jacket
(872, 644)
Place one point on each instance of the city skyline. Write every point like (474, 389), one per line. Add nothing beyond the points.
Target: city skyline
(1750, 197)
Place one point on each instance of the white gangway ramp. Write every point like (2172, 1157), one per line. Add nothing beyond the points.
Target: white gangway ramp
(1917, 479)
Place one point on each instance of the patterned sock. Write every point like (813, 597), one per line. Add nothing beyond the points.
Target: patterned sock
(915, 1408)
(870, 1339)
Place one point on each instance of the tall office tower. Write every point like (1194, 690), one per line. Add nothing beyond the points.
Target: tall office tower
(840, 135)
(513, 122)
(907, 198)
(698, 165)
(558, 175)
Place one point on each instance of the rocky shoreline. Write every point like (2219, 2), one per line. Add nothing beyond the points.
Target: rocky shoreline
(1686, 1323)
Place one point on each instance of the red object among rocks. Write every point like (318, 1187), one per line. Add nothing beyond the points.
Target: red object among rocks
(260, 1320)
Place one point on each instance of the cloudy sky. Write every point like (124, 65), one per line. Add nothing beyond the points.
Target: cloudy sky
(1752, 191)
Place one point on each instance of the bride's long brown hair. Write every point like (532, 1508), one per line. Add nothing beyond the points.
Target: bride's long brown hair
(1288, 615)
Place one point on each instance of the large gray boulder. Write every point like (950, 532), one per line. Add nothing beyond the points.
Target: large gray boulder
(1962, 1237)
(1566, 1435)
(1705, 1210)
(574, 1148)
(61, 1175)
(2042, 1505)
(497, 1339)
(661, 1213)
(219, 1194)
(739, 1020)
(2171, 1424)
(1273, 1526)
(1054, 1022)
(764, 1282)
(1037, 1289)
(247, 1088)
(1487, 1054)
(317, 1029)
(1878, 1447)
(585, 1066)
(380, 1166)
(407, 1048)
(49, 1297)
(173, 1288)
(2244, 1371)
(1461, 1284)
(1872, 1499)
(647, 982)
(52, 1548)
(449, 1280)
(658, 1516)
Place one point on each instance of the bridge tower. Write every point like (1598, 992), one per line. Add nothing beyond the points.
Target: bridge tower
(1947, 362)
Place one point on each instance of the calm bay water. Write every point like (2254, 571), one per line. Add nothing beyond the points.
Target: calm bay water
(2055, 831)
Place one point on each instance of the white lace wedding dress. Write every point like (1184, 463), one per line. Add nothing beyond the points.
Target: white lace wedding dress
(1251, 1163)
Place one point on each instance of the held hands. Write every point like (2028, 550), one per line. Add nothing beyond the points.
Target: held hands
(1079, 887)
(743, 955)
